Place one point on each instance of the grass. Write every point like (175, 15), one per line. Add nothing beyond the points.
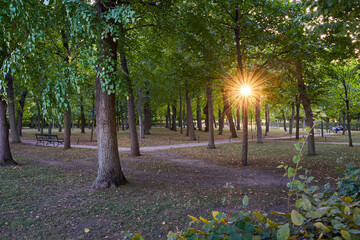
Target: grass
(272, 154)
(49, 196)
(159, 136)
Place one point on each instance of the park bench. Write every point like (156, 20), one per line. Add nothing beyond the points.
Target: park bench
(47, 139)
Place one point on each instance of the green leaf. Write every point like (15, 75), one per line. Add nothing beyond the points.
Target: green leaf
(296, 159)
(245, 201)
(137, 237)
(306, 204)
(291, 172)
(345, 234)
(356, 216)
(321, 226)
(297, 218)
(307, 129)
(283, 233)
(297, 146)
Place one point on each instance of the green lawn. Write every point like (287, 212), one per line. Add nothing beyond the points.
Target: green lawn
(159, 136)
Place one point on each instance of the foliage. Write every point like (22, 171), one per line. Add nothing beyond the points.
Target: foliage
(349, 185)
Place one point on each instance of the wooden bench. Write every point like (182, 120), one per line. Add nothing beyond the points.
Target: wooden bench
(47, 139)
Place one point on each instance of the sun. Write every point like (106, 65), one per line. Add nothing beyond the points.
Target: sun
(245, 90)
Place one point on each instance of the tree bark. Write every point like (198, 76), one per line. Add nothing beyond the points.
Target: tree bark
(267, 113)
(258, 121)
(307, 107)
(238, 118)
(15, 138)
(297, 118)
(82, 115)
(221, 121)
(21, 112)
(50, 127)
(147, 113)
(173, 122)
(206, 112)
(140, 110)
(122, 115)
(291, 126)
(67, 112)
(180, 115)
(228, 112)
(190, 122)
(5, 152)
(135, 149)
(67, 127)
(109, 171)
(284, 119)
(245, 133)
(198, 114)
(92, 118)
(167, 124)
(211, 144)
(347, 103)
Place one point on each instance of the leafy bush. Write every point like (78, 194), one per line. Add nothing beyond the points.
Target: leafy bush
(349, 185)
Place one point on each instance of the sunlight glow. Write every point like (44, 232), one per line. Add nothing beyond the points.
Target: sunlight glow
(245, 90)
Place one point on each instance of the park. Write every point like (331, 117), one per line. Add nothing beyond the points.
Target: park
(196, 119)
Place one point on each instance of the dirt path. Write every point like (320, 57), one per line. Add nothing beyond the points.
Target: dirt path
(185, 145)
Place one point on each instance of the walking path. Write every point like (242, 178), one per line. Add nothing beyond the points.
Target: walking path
(185, 145)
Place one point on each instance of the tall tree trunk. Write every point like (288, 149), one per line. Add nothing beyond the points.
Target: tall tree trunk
(284, 119)
(307, 107)
(50, 126)
(82, 115)
(343, 118)
(237, 38)
(167, 125)
(32, 122)
(21, 112)
(245, 133)
(173, 122)
(258, 121)
(42, 124)
(266, 120)
(190, 122)
(267, 127)
(5, 152)
(228, 112)
(140, 110)
(92, 118)
(206, 112)
(135, 149)
(147, 113)
(211, 144)
(198, 114)
(297, 117)
(221, 121)
(238, 118)
(322, 128)
(67, 127)
(60, 127)
(109, 171)
(15, 138)
(291, 126)
(121, 116)
(67, 112)
(347, 103)
(180, 115)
